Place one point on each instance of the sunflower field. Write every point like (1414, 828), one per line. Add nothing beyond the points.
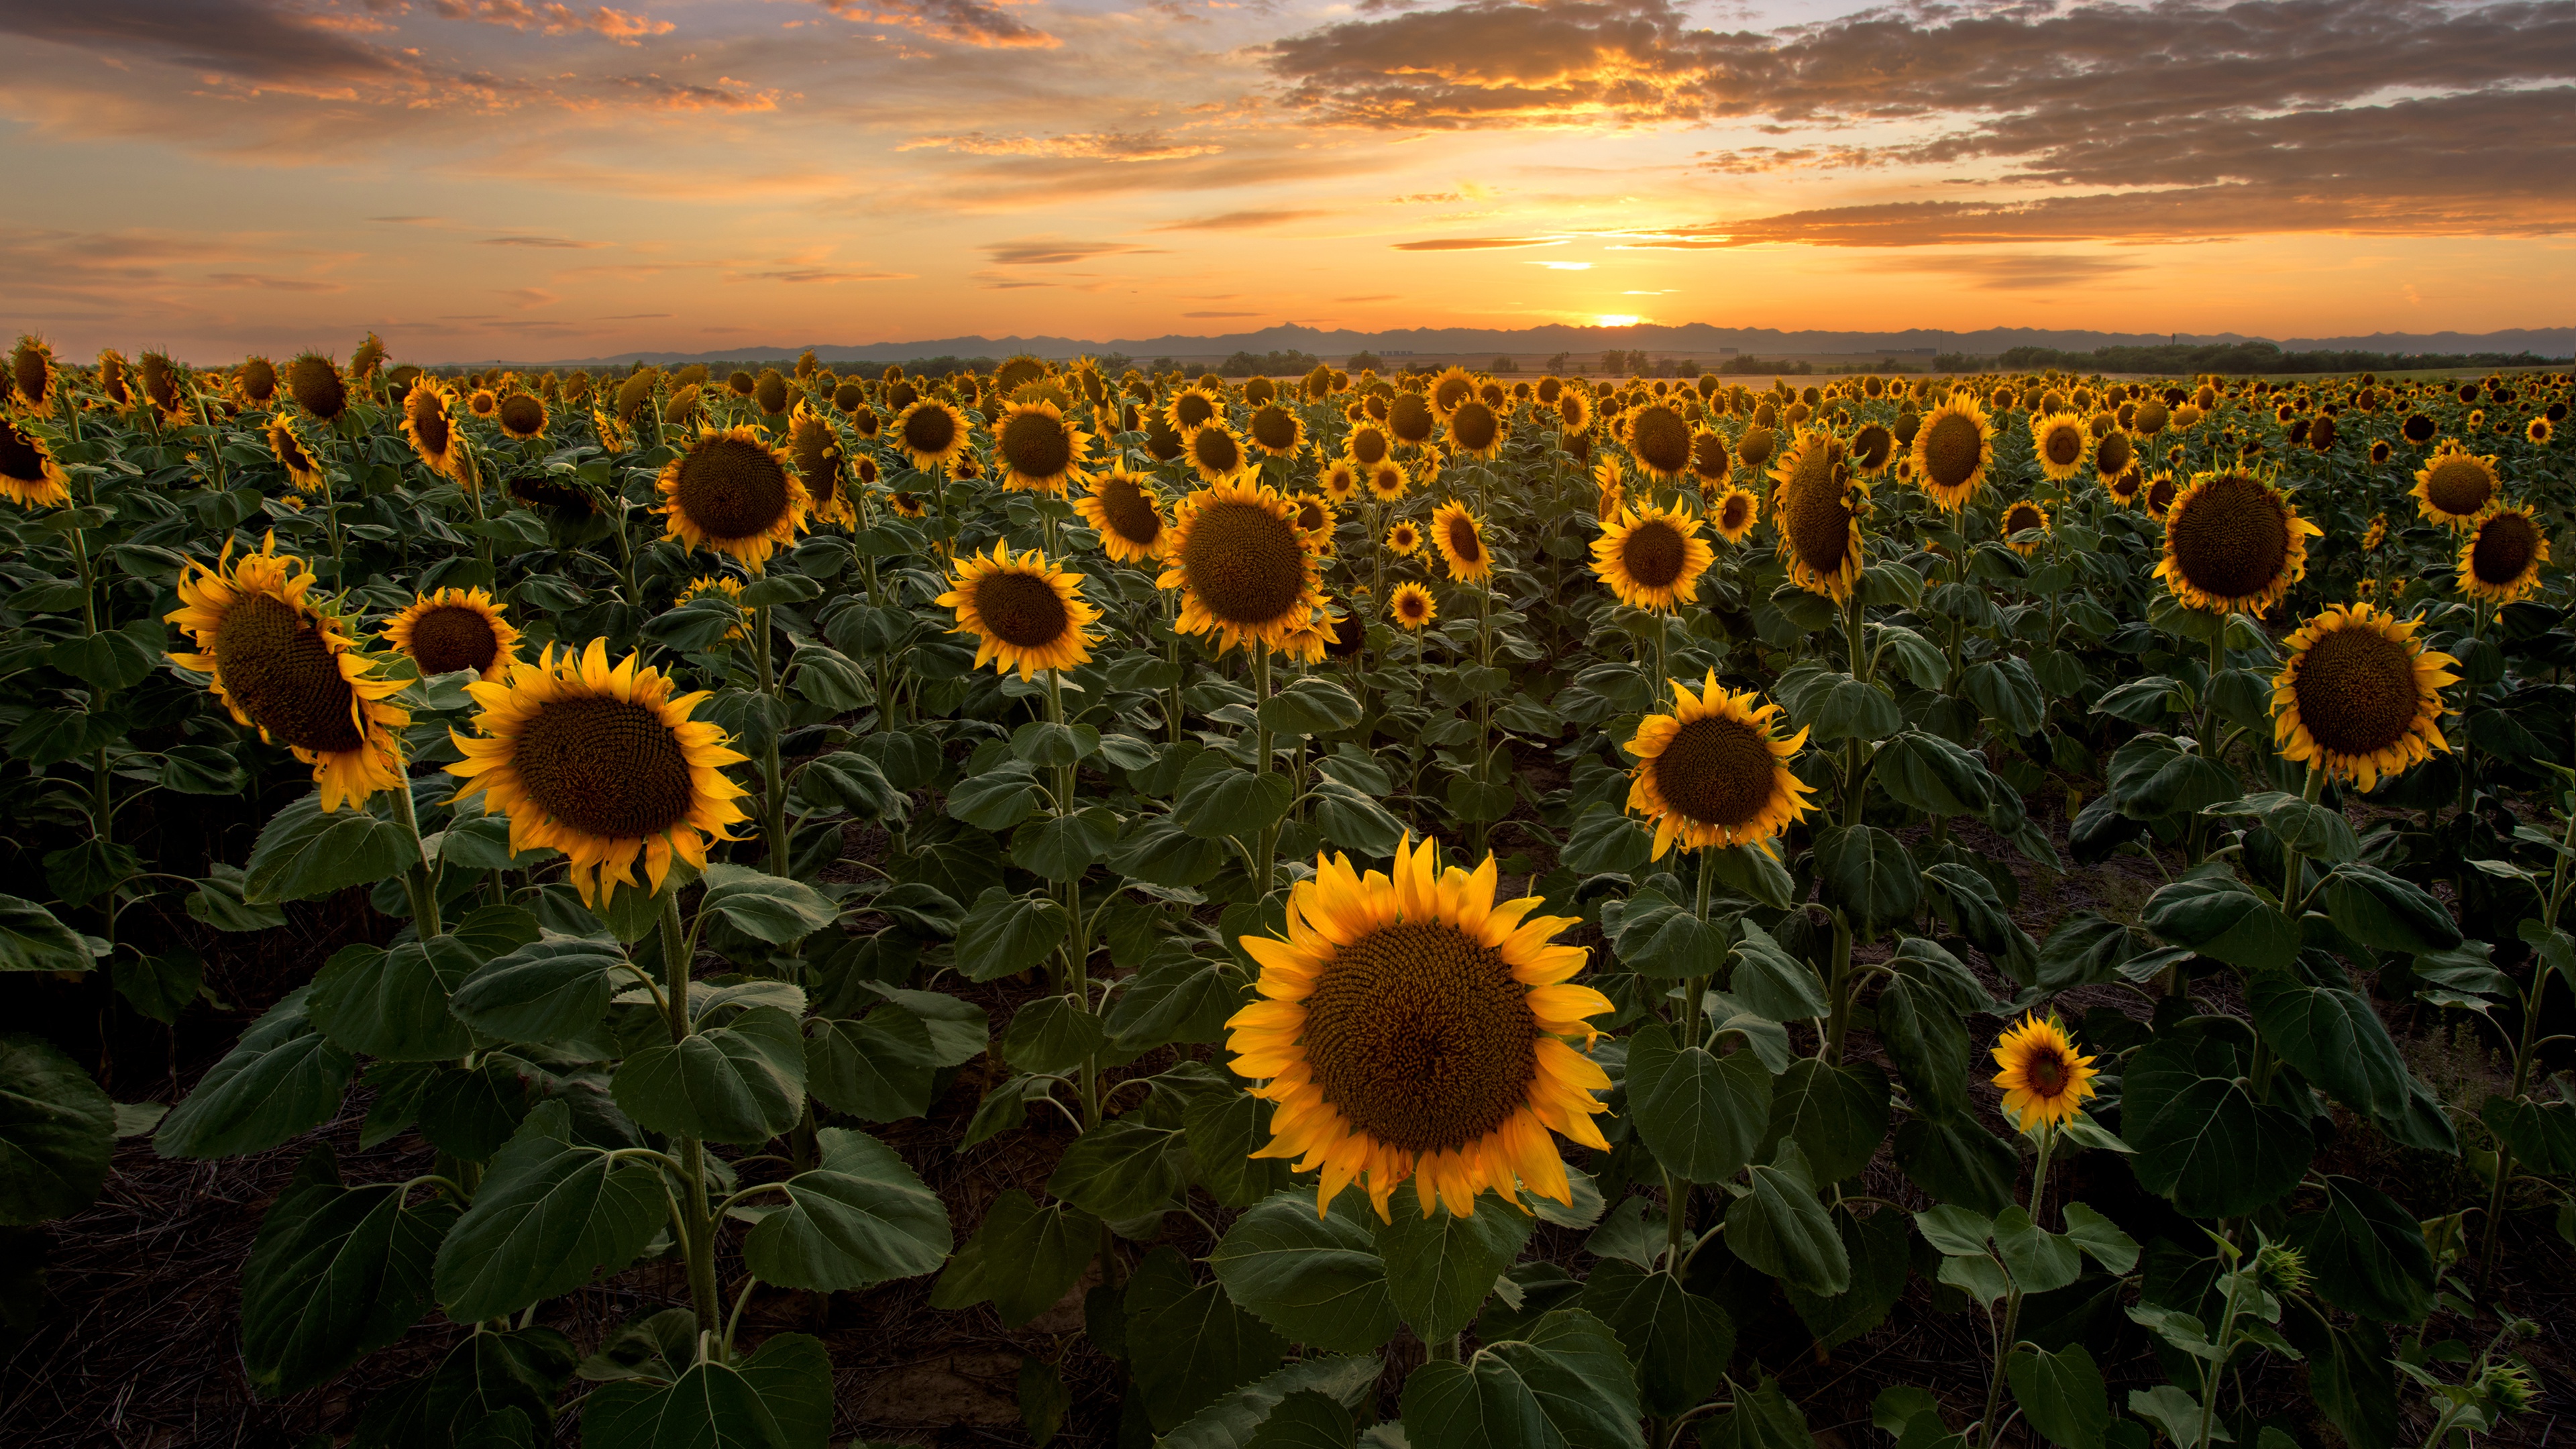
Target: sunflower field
(784, 909)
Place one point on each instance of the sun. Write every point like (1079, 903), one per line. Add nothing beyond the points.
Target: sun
(1617, 319)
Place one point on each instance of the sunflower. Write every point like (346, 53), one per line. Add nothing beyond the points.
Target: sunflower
(2500, 558)
(1241, 564)
(1715, 771)
(1368, 445)
(2058, 442)
(602, 763)
(930, 432)
(1733, 514)
(1952, 450)
(1653, 559)
(1122, 508)
(2454, 486)
(2232, 541)
(2538, 431)
(1409, 418)
(2417, 429)
(1276, 431)
(1315, 519)
(454, 629)
(816, 450)
(32, 375)
(1387, 481)
(907, 505)
(1755, 446)
(2125, 487)
(29, 476)
(2024, 516)
(717, 586)
(1476, 430)
(1817, 511)
(1573, 411)
(2159, 494)
(317, 387)
(1025, 613)
(1451, 389)
(1412, 1027)
(2361, 697)
(1403, 538)
(255, 382)
(682, 407)
(1411, 607)
(1040, 451)
(1340, 480)
(285, 666)
(1460, 537)
(1872, 447)
(1193, 407)
(2380, 452)
(769, 392)
(428, 421)
(1659, 438)
(303, 469)
(112, 383)
(2151, 418)
(2042, 1077)
(1611, 489)
(165, 385)
(735, 494)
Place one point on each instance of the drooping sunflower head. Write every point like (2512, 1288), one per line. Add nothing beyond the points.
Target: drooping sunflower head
(284, 663)
(1215, 453)
(1025, 613)
(2361, 697)
(816, 449)
(1451, 388)
(454, 629)
(303, 466)
(770, 392)
(1369, 445)
(2159, 493)
(2059, 443)
(1411, 1027)
(1872, 447)
(165, 384)
(2455, 485)
(1411, 607)
(1817, 510)
(113, 383)
(1734, 514)
(2233, 542)
(2500, 558)
(1460, 536)
(1387, 480)
(522, 415)
(2152, 417)
(731, 492)
(1276, 429)
(1610, 484)
(1475, 429)
(29, 476)
(635, 392)
(1409, 418)
(2045, 1081)
(1340, 480)
(32, 375)
(1653, 559)
(601, 762)
(1040, 451)
(428, 411)
(930, 432)
(1242, 565)
(1122, 509)
(1756, 446)
(1952, 451)
(2021, 517)
(1404, 538)
(1659, 438)
(317, 387)
(1715, 771)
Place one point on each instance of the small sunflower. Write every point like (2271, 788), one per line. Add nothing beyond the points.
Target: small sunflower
(816, 450)
(1242, 565)
(2233, 542)
(1872, 448)
(1573, 411)
(1653, 559)
(522, 415)
(2022, 517)
(1404, 538)
(1025, 613)
(1040, 451)
(1387, 481)
(602, 763)
(2501, 555)
(2538, 432)
(1734, 512)
(908, 505)
(483, 403)
(33, 376)
(1193, 407)
(29, 476)
(2126, 487)
(1952, 451)
(2455, 485)
(1412, 1027)
(2044, 1081)
(1451, 390)
(1411, 607)
(317, 387)
(2361, 697)
(429, 421)
(1476, 430)
(1712, 462)
(1215, 453)
(735, 494)
(287, 667)
(1715, 771)
(1315, 519)
(1460, 537)
(1659, 438)
(2380, 452)
(303, 467)
(1276, 430)
(1610, 484)
(1409, 418)
(1122, 509)
(2058, 441)
(717, 586)
(1369, 445)
(930, 432)
(256, 383)
(1817, 511)
(454, 629)
(1756, 446)
(1340, 480)
(2376, 534)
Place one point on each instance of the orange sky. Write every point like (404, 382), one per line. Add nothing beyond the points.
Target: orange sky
(506, 178)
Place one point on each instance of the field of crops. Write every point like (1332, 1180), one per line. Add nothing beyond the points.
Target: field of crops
(773, 908)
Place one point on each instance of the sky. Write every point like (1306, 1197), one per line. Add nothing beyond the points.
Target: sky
(479, 179)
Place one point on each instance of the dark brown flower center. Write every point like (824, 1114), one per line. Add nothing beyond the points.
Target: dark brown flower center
(277, 668)
(2459, 485)
(1871, 445)
(522, 416)
(731, 488)
(452, 637)
(1953, 450)
(605, 767)
(930, 430)
(2065, 445)
(1216, 450)
(1368, 447)
(1420, 1036)
(1021, 609)
(1660, 439)
(1813, 516)
(1409, 417)
(1474, 426)
(2356, 690)
(2504, 547)
(316, 387)
(1131, 515)
(19, 459)
(1245, 563)
(1463, 540)
(1717, 771)
(2231, 538)
(1654, 553)
(1192, 408)
(1755, 447)
(1037, 446)
(1274, 427)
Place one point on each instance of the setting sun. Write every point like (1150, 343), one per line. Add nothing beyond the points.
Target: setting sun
(1617, 319)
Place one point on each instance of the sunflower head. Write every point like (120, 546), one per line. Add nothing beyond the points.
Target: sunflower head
(635, 392)
(1411, 1027)
(1756, 446)
(29, 476)
(1276, 429)
(1451, 388)
(1715, 771)
(1215, 453)
(1411, 607)
(2045, 1081)
(1872, 447)
(2501, 555)
(32, 375)
(2059, 444)
(2454, 486)
(1952, 451)
(255, 382)
(931, 432)
(1659, 438)
(483, 402)
(1573, 410)
(2539, 431)
(303, 465)
(1025, 613)
(1734, 513)
(1459, 535)
(1040, 452)
(317, 387)
(1410, 419)
(1403, 538)
(1653, 559)
(1122, 509)
(522, 415)
(454, 629)
(1340, 480)
(2233, 542)
(1192, 407)
(1244, 568)
(1817, 509)
(2361, 697)
(2022, 517)
(731, 492)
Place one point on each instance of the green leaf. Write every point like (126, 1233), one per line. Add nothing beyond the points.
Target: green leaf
(492, 1391)
(1310, 706)
(2366, 1254)
(995, 798)
(1052, 1034)
(2377, 910)
(393, 1003)
(2005, 691)
(553, 988)
(1657, 938)
(2150, 778)
(2061, 1394)
(1175, 998)
(1768, 980)
(31, 939)
(1836, 1113)
(2333, 1037)
(1440, 1268)
(160, 987)
(743, 1082)
(1565, 1386)
(1120, 1169)
(1315, 1278)
(1604, 841)
(282, 1079)
(335, 1274)
(2311, 829)
(1237, 1420)
(779, 1397)
(1957, 1161)
(1217, 798)
(57, 1132)
(1006, 933)
(202, 770)
(1878, 1246)
(1865, 872)
(1353, 819)
(2100, 1238)
(766, 907)
(1187, 1341)
(1781, 1229)
(112, 659)
(1062, 847)
(1964, 897)
(551, 1216)
(2218, 916)
(303, 852)
(1304, 1420)
(829, 678)
(1930, 774)
(1680, 1341)
(1023, 1258)
(2541, 1134)
(1753, 872)
(2177, 1413)
(1702, 1115)
(858, 1218)
(2085, 949)
(2039, 1260)
(2203, 1141)
(1929, 1045)
(2142, 701)
(1159, 852)
(1223, 1129)
(848, 781)
(1763, 1418)
(878, 1069)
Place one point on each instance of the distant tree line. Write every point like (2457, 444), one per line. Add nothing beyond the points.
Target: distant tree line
(1287, 362)
(2229, 357)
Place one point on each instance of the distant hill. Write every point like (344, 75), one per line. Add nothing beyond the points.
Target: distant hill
(1692, 338)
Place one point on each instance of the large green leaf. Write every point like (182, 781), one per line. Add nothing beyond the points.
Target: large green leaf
(1310, 706)
(1224, 1128)
(2366, 1254)
(1316, 1278)
(2040, 1261)
(1679, 1340)
(1780, 1227)
(1702, 1115)
(1565, 1386)
(2314, 831)
(2203, 1141)
(779, 1397)
(304, 852)
(335, 1274)
(392, 1003)
(2216, 915)
(551, 1216)
(1864, 872)
(553, 988)
(742, 1082)
(1878, 1245)
(1022, 1257)
(1933, 775)
(1929, 1044)
(57, 1132)
(1159, 852)
(1219, 798)
(282, 1079)
(2061, 1394)
(860, 1217)
(1657, 938)
(877, 1069)
(1121, 1169)
(1440, 1268)
(1236, 1420)
(2377, 910)
(1770, 981)
(1836, 1113)
(767, 907)
(31, 939)
(1957, 1161)
(2151, 777)
(2331, 1035)
(1187, 1342)
(492, 1391)
(1005, 933)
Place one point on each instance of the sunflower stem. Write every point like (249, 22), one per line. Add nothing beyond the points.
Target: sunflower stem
(1263, 866)
(773, 801)
(695, 1226)
(418, 879)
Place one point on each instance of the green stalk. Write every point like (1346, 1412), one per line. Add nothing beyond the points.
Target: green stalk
(773, 803)
(420, 882)
(696, 1227)
(1264, 867)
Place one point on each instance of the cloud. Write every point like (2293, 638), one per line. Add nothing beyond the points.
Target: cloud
(726, 94)
(1240, 220)
(241, 39)
(529, 298)
(1048, 251)
(1202, 316)
(2020, 271)
(1371, 297)
(272, 284)
(615, 25)
(547, 242)
(801, 275)
(966, 22)
(1478, 243)
(1091, 146)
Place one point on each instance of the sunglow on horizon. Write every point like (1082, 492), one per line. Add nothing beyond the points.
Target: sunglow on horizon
(1617, 319)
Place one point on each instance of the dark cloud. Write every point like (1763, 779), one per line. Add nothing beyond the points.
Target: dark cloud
(243, 39)
(1478, 243)
(967, 22)
(1238, 220)
(546, 242)
(1048, 251)
(2020, 271)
